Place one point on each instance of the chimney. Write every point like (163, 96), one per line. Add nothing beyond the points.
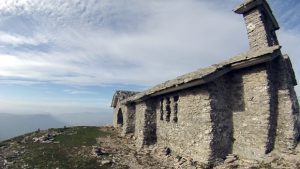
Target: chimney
(260, 22)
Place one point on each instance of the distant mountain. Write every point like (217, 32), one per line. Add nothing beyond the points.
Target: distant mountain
(12, 125)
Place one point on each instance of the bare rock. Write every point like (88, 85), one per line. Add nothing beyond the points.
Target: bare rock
(104, 162)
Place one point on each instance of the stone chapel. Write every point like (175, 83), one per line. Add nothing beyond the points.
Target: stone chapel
(246, 105)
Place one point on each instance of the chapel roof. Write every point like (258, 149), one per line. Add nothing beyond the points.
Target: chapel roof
(205, 75)
(121, 95)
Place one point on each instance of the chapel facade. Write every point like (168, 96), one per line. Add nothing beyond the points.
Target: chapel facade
(245, 105)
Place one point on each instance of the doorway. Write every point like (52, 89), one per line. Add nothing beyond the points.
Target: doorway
(120, 118)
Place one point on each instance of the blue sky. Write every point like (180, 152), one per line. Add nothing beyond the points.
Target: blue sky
(69, 56)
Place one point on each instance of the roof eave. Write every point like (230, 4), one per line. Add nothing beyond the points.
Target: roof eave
(234, 66)
(114, 101)
(290, 68)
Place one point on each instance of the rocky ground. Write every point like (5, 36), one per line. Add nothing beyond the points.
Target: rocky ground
(92, 147)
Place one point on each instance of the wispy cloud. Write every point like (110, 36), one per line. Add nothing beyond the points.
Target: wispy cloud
(15, 40)
(106, 42)
(72, 46)
(288, 13)
(80, 92)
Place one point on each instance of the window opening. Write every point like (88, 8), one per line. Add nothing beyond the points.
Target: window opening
(168, 109)
(161, 109)
(175, 118)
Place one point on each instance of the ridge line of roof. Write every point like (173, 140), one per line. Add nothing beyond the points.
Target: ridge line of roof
(203, 73)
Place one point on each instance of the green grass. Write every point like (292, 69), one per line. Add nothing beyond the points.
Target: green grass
(80, 136)
(72, 152)
(58, 156)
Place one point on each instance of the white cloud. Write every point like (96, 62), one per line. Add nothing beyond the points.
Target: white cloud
(91, 42)
(127, 41)
(139, 43)
(15, 40)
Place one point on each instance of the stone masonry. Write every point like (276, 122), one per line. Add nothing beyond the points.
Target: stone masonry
(124, 116)
(246, 105)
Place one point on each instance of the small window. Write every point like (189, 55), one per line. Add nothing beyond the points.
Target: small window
(168, 110)
(161, 109)
(175, 118)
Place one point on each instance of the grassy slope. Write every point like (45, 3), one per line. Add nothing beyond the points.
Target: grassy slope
(73, 150)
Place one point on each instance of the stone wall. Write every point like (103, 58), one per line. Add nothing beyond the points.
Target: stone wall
(259, 29)
(150, 136)
(128, 118)
(273, 118)
(284, 118)
(145, 123)
(251, 114)
(190, 134)
(248, 112)
(288, 109)
(221, 118)
(236, 113)
(243, 112)
(115, 114)
(140, 123)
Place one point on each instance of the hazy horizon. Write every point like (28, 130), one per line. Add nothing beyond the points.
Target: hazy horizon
(12, 125)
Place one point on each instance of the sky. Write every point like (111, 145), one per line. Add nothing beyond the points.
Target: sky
(69, 56)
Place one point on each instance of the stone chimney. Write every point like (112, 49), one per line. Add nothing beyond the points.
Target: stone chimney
(260, 22)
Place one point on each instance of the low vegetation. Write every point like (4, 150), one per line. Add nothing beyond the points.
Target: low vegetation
(70, 148)
(103, 148)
